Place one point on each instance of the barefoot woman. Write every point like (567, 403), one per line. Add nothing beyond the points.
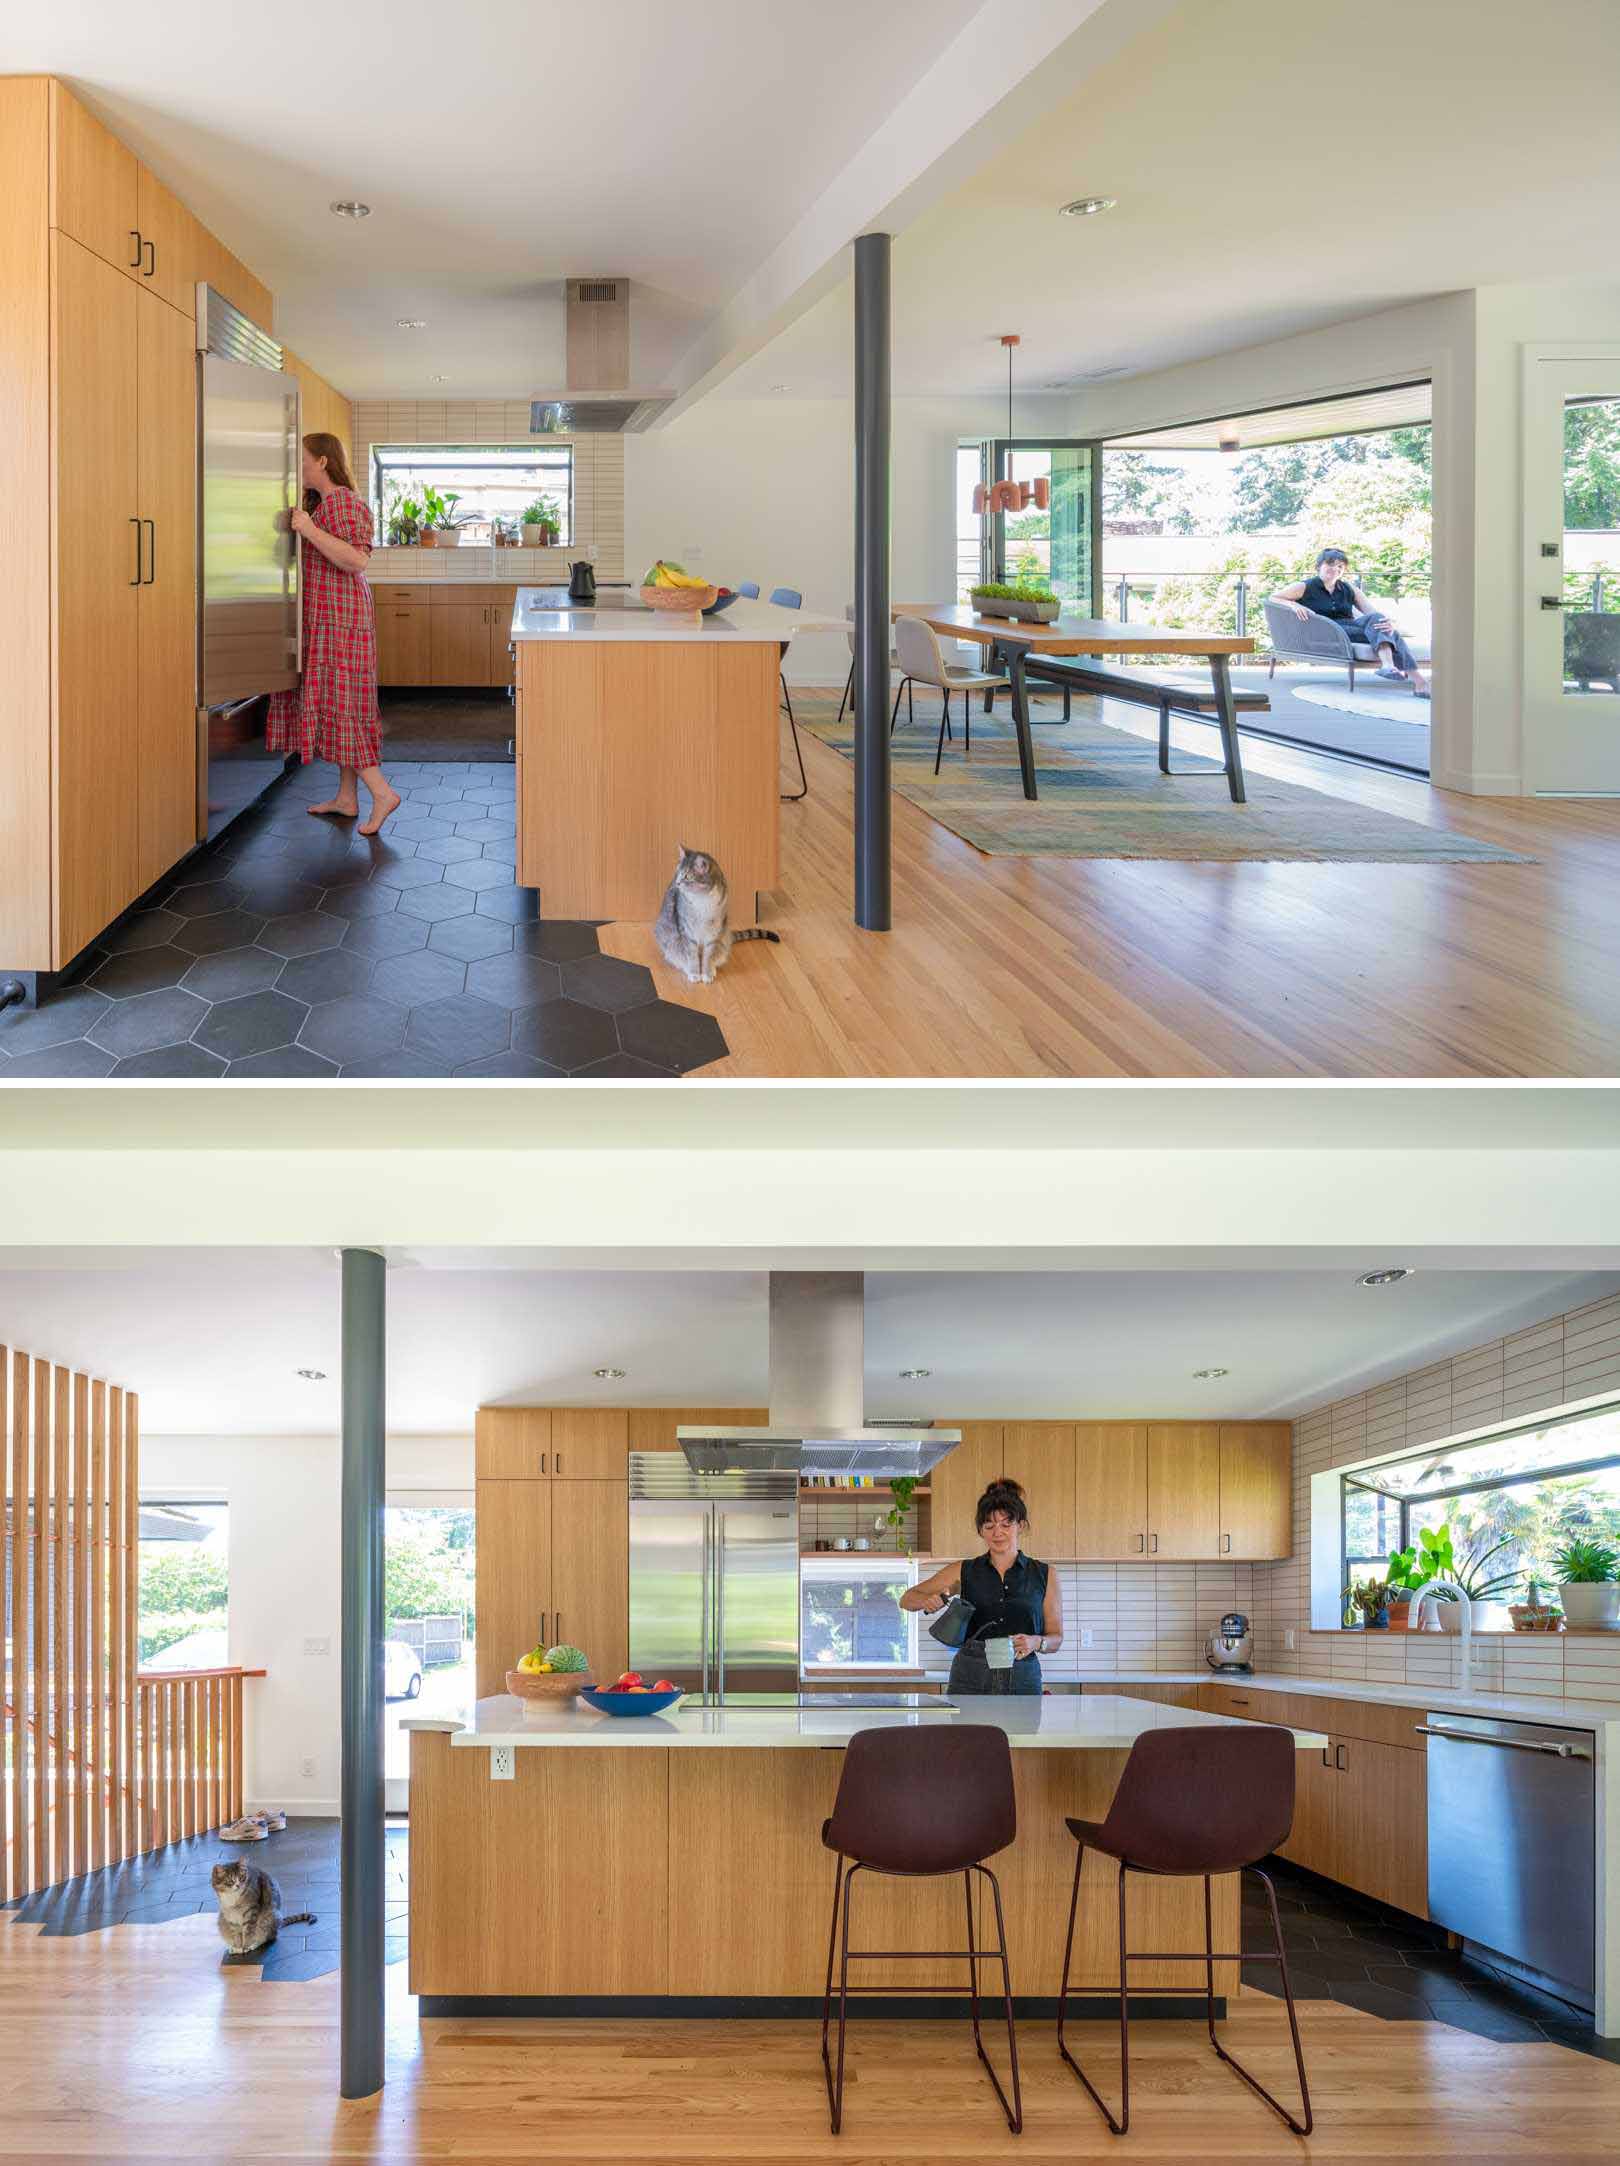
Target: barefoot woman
(333, 713)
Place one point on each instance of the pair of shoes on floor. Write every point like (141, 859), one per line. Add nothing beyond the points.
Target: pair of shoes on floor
(252, 1827)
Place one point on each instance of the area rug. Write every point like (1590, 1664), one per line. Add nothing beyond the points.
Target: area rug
(1365, 704)
(1102, 796)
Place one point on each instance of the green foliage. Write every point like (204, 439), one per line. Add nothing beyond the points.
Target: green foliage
(182, 1578)
(402, 513)
(1136, 486)
(1275, 483)
(1021, 590)
(543, 512)
(1582, 1563)
(439, 511)
(902, 1488)
(1578, 586)
(1369, 1596)
(1592, 464)
(427, 1568)
(1438, 1558)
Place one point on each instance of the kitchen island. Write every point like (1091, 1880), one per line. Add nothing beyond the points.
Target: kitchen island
(638, 731)
(675, 1862)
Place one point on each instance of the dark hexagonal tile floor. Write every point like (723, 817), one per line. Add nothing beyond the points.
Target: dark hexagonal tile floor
(293, 947)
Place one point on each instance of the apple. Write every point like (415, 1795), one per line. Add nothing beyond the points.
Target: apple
(628, 1678)
(664, 1685)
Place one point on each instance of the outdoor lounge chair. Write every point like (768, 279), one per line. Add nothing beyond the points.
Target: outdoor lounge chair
(1320, 640)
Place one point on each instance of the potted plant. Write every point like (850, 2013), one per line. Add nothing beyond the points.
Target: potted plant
(1434, 1556)
(1588, 1575)
(441, 529)
(901, 1489)
(1405, 1574)
(1534, 1615)
(1370, 1597)
(542, 524)
(402, 517)
(1026, 600)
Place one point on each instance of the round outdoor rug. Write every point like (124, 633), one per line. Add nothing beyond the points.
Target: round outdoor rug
(1385, 702)
(1102, 796)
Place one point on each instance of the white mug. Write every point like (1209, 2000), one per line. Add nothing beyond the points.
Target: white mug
(861, 1542)
(998, 1653)
(842, 1542)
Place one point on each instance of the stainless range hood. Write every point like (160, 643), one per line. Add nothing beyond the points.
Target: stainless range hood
(817, 1425)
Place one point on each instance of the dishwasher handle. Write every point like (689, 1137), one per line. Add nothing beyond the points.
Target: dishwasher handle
(1510, 1744)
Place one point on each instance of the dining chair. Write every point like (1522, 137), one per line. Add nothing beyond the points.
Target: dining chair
(922, 661)
(749, 588)
(790, 598)
(849, 681)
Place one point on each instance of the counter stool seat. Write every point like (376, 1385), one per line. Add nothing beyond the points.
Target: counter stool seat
(1193, 1802)
(921, 1804)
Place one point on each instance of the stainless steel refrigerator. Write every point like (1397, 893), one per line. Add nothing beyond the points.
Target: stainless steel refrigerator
(249, 625)
(714, 1578)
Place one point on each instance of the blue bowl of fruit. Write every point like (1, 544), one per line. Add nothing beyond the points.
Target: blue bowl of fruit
(631, 1695)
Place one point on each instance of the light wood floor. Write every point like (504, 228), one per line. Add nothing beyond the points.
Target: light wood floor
(1060, 967)
(132, 2043)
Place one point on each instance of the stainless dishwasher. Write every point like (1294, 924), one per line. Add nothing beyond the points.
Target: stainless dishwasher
(1512, 1842)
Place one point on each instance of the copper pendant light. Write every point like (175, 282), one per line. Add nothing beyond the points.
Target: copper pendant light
(1000, 496)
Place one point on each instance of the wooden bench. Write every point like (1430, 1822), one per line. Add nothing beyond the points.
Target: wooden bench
(1087, 674)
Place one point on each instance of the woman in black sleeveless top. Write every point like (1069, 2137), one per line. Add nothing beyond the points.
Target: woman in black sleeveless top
(1332, 593)
(1011, 1596)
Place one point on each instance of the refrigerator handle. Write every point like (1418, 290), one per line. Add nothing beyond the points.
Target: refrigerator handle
(720, 1606)
(703, 1605)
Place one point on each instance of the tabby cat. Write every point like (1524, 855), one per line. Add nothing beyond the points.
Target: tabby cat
(692, 932)
(250, 1907)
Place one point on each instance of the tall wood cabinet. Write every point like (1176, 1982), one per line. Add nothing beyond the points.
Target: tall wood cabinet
(98, 551)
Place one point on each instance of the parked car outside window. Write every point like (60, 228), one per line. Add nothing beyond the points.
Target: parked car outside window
(402, 1672)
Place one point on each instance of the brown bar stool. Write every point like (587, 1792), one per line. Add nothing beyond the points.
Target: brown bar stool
(1192, 1802)
(921, 1803)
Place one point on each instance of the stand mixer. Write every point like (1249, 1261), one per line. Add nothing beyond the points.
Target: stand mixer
(1230, 1647)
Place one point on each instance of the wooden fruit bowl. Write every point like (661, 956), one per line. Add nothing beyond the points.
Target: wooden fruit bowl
(680, 598)
(536, 1685)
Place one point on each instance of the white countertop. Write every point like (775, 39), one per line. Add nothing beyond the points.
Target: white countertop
(547, 613)
(1071, 1722)
(1576, 1714)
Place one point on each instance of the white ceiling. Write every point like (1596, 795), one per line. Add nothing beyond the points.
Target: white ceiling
(1393, 407)
(503, 146)
(212, 1339)
(1277, 167)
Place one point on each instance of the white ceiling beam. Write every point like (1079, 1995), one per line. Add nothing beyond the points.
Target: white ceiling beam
(1014, 61)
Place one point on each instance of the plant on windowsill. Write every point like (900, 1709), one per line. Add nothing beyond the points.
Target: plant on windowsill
(1588, 1575)
(1026, 599)
(441, 529)
(542, 524)
(1534, 1615)
(1434, 1556)
(1370, 1599)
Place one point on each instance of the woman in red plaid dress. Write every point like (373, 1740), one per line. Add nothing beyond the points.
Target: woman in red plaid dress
(333, 713)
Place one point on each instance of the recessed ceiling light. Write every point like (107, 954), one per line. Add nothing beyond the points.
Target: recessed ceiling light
(350, 210)
(1088, 206)
(313, 1376)
(914, 1376)
(1228, 441)
(779, 387)
(608, 1375)
(1391, 1276)
(438, 379)
(1205, 1373)
(411, 323)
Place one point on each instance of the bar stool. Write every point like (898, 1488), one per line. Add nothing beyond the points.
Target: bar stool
(921, 1803)
(1192, 1802)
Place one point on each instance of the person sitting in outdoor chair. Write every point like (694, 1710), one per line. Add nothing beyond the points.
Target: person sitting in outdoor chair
(1332, 593)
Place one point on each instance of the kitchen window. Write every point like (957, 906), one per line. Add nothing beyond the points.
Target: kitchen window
(850, 1615)
(491, 481)
(1532, 1487)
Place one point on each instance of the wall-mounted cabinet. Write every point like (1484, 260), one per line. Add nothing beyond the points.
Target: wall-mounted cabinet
(545, 1443)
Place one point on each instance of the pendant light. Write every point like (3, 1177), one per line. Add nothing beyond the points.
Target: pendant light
(998, 496)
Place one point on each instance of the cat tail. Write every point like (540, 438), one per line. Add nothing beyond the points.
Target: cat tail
(301, 1917)
(757, 932)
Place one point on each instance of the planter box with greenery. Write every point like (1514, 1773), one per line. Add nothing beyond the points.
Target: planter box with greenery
(1588, 1579)
(1030, 603)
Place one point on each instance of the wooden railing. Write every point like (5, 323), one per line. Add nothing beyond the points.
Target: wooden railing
(190, 1742)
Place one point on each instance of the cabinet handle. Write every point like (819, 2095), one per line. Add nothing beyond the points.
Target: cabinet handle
(1141, 1544)
(1339, 1760)
(135, 260)
(1153, 1543)
(1326, 1762)
(151, 551)
(557, 1469)
(136, 524)
(149, 249)
(542, 1462)
(542, 1628)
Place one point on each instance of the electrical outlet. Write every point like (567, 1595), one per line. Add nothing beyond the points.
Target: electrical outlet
(1288, 1638)
(501, 1768)
(317, 1644)
(307, 1769)
(1087, 1637)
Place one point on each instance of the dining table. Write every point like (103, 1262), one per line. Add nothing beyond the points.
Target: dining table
(1020, 640)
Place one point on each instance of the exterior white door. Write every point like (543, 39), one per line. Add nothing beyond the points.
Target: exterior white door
(1572, 576)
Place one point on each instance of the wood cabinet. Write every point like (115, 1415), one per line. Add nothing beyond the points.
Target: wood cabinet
(652, 1428)
(1256, 1475)
(539, 1443)
(590, 1571)
(512, 1575)
(549, 1550)
(166, 601)
(1184, 1489)
(512, 1442)
(402, 641)
(98, 728)
(1040, 1455)
(1110, 1489)
(589, 1440)
(958, 1482)
(458, 649)
(95, 184)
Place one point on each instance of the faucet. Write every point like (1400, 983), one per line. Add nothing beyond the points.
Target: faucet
(1415, 1622)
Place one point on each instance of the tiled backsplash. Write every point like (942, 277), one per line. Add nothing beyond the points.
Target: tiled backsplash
(1156, 1616)
(479, 565)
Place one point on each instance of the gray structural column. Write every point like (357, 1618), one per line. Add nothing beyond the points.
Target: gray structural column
(872, 809)
(363, 1903)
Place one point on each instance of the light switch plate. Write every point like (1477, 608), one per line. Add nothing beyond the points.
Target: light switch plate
(501, 1767)
(1087, 1636)
(317, 1644)
(1288, 1639)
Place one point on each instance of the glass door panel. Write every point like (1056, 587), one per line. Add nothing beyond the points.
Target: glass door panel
(428, 1666)
(1055, 544)
(1572, 577)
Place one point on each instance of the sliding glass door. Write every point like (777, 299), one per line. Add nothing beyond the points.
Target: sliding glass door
(1059, 544)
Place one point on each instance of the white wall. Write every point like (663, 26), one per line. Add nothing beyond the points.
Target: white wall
(764, 489)
(285, 1564)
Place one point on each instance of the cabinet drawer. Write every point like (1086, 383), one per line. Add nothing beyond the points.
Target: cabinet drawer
(1367, 1719)
(442, 591)
(416, 594)
(1246, 1704)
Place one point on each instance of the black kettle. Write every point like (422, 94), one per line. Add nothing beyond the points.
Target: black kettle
(582, 582)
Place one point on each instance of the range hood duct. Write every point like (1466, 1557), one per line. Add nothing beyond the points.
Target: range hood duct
(818, 1425)
(598, 400)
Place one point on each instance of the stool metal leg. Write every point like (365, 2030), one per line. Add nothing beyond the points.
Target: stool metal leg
(835, 2083)
(1123, 2123)
(1300, 2128)
(1014, 2112)
(792, 797)
(832, 1944)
